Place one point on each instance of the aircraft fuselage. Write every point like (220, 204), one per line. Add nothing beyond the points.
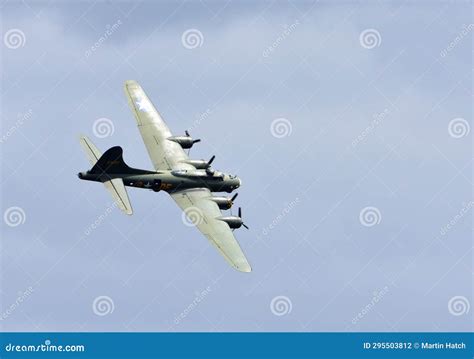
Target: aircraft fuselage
(171, 181)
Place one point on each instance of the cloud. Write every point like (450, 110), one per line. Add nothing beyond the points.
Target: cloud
(317, 76)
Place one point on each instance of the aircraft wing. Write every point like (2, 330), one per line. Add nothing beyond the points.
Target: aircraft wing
(165, 154)
(203, 213)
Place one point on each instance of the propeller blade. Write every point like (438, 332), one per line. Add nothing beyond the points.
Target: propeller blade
(210, 161)
(196, 141)
(187, 133)
(234, 197)
(243, 224)
(240, 212)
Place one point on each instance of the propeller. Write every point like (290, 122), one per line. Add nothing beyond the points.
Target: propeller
(210, 161)
(240, 215)
(194, 141)
(231, 202)
(209, 170)
(188, 135)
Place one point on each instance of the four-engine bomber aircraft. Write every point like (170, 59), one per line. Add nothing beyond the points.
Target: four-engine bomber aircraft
(189, 182)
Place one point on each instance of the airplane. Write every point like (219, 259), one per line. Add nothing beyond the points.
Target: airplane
(189, 182)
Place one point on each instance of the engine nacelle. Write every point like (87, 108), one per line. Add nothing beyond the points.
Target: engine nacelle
(184, 141)
(223, 202)
(232, 221)
(199, 164)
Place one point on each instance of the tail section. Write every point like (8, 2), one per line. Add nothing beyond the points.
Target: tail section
(119, 194)
(92, 152)
(111, 164)
(112, 161)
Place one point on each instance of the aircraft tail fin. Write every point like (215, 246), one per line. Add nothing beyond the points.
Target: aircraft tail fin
(109, 160)
(112, 163)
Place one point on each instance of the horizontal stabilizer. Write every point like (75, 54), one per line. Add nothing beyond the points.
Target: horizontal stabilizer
(119, 194)
(92, 152)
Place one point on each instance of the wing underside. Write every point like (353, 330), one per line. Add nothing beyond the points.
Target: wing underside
(204, 213)
(165, 154)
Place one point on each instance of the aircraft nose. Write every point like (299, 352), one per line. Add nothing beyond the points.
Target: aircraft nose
(240, 183)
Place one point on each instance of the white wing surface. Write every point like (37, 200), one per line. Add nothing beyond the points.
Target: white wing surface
(165, 154)
(204, 214)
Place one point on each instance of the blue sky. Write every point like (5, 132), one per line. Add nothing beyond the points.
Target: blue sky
(376, 123)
